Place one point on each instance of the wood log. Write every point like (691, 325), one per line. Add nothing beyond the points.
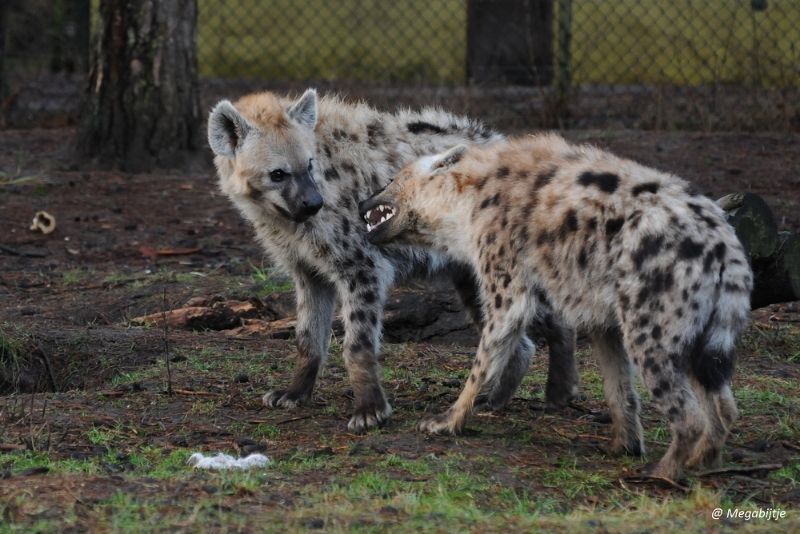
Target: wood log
(220, 316)
(753, 221)
(775, 257)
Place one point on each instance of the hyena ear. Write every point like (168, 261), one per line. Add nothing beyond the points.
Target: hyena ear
(449, 158)
(226, 129)
(304, 111)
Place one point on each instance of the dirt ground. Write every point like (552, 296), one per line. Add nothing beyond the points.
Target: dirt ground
(129, 245)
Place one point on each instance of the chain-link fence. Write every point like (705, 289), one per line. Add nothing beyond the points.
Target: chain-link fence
(564, 58)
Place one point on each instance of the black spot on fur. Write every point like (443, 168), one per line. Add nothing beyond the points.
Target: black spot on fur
(332, 174)
(348, 167)
(591, 224)
(425, 127)
(647, 187)
(643, 296)
(502, 172)
(656, 333)
(640, 339)
(701, 214)
(543, 237)
(363, 277)
(569, 225)
(506, 280)
(369, 297)
(612, 227)
(327, 150)
(345, 227)
(339, 134)
(607, 182)
(486, 201)
(544, 178)
(689, 250)
(649, 246)
(582, 260)
(498, 301)
(374, 132)
(480, 185)
(719, 251)
(364, 342)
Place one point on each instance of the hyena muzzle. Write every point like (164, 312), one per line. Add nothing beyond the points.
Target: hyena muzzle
(647, 267)
(296, 170)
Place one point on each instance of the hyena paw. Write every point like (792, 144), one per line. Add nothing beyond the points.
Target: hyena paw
(662, 469)
(557, 399)
(284, 399)
(630, 447)
(370, 417)
(439, 424)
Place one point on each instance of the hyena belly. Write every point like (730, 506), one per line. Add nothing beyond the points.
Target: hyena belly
(650, 270)
(296, 170)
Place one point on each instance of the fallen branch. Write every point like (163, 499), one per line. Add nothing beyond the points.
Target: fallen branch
(755, 469)
(651, 478)
(790, 445)
(290, 419)
(198, 393)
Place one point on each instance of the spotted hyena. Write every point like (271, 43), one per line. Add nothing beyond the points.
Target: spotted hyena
(296, 170)
(631, 255)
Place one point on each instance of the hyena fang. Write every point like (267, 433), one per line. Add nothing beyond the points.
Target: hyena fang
(296, 170)
(629, 254)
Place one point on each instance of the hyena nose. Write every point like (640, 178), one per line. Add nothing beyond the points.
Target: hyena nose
(312, 204)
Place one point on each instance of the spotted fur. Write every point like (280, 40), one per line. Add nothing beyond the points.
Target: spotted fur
(296, 169)
(650, 270)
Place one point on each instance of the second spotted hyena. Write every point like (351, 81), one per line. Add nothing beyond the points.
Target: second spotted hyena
(651, 270)
(296, 169)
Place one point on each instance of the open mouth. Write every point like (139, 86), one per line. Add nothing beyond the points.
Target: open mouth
(379, 215)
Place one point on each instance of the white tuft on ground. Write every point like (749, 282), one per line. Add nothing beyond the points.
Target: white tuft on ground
(223, 461)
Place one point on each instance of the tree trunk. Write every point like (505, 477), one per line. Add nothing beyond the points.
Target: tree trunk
(510, 41)
(141, 106)
(5, 7)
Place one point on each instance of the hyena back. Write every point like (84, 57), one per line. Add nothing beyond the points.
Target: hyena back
(296, 169)
(633, 256)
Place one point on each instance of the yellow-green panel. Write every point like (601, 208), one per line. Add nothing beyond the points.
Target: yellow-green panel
(613, 41)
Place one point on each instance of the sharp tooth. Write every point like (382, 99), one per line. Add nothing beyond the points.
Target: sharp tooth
(368, 215)
(369, 227)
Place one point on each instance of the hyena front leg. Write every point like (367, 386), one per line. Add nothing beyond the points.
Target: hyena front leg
(500, 338)
(362, 307)
(562, 379)
(621, 397)
(316, 302)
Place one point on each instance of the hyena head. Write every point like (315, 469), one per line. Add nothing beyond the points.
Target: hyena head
(264, 153)
(409, 210)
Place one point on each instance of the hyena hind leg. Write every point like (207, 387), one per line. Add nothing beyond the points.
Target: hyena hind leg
(563, 380)
(508, 383)
(621, 397)
(688, 421)
(720, 408)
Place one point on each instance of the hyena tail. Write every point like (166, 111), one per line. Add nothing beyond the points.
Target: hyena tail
(713, 357)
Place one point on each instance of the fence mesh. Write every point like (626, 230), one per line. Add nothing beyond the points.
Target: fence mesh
(569, 51)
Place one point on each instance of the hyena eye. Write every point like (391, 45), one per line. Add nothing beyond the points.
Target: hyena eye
(277, 175)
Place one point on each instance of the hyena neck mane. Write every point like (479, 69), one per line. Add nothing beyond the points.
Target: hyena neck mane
(354, 131)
